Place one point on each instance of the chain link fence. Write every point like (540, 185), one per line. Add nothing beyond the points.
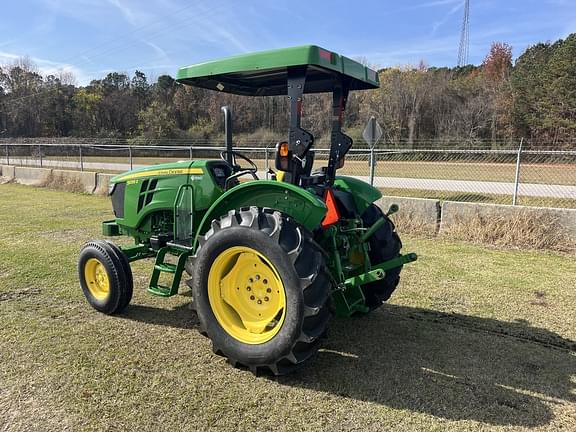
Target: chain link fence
(533, 177)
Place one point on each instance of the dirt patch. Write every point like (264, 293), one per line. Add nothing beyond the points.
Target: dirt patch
(67, 236)
(18, 294)
(540, 299)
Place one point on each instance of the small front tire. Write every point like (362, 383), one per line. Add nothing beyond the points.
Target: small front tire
(105, 277)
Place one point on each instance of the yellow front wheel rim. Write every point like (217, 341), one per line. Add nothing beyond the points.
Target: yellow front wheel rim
(97, 279)
(246, 295)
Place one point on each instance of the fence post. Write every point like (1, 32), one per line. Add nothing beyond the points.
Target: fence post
(130, 156)
(266, 159)
(81, 160)
(190, 152)
(517, 176)
(40, 154)
(372, 166)
(7, 155)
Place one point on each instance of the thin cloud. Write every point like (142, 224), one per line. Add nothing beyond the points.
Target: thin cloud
(159, 51)
(124, 10)
(446, 17)
(440, 3)
(217, 26)
(434, 4)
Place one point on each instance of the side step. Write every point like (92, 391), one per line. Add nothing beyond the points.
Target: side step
(182, 252)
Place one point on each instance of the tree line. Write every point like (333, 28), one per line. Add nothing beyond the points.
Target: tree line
(497, 101)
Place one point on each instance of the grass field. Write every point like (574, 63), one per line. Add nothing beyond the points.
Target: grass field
(474, 339)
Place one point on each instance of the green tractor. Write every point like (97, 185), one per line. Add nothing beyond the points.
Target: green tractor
(270, 261)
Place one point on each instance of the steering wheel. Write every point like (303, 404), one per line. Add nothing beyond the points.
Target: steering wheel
(237, 170)
(252, 169)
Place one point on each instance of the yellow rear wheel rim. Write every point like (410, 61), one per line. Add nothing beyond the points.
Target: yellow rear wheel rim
(246, 295)
(97, 279)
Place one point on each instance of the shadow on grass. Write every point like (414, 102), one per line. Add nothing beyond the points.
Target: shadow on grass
(451, 366)
(180, 317)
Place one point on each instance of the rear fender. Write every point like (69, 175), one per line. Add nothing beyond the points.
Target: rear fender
(363, 193)
(304, 207)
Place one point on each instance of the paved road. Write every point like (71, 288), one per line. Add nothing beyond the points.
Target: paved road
(464, 186)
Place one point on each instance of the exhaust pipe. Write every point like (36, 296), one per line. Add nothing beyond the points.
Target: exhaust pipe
(228, 132)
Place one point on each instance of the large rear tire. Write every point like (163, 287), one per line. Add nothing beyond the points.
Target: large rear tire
(385, 245)
(261, 290)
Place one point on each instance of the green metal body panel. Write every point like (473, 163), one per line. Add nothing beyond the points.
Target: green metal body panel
(303, 206)
(110, 228)
(149, 204)
(363, 193)
(137, 252)
(265, 73)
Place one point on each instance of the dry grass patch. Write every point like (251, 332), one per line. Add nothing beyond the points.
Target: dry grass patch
(410, 223)
(63, 183)
(523, 230)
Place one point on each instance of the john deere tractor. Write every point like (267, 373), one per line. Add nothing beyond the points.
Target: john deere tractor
(270, 261)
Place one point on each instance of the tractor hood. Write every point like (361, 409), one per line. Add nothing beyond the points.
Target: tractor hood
(160, 170)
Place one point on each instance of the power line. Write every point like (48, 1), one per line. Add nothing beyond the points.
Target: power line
(464, 48)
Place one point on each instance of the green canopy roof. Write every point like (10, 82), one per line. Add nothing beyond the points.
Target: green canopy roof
(265, 73)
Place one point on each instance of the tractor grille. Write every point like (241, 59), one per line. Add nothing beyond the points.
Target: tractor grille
(118, 199)
(146, 193)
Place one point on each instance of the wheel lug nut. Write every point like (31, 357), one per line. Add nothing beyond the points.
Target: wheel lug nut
(268, 290)
(250, 280)
(266, 299)
(257, 277)
(248, 288)
(252, 297)
(265, 281)
(259, 301)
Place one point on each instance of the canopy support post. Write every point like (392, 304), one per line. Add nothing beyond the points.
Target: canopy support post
(299, 140)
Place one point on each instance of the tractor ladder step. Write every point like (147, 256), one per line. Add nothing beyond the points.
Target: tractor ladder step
(175, 270)
(166, 267)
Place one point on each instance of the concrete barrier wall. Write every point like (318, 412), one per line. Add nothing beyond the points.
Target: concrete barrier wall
(102, 183)
(7, 171)
(415, 214)
(83, 179)
(77, 181)
(454, 213)
(31, 176)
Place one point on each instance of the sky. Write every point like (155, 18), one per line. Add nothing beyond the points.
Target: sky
(91, 38)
